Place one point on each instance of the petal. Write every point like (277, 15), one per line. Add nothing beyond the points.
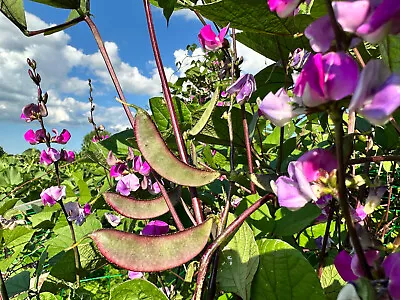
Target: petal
(132, 182)
(289, 194)
(111, 159)
(277, 108)
(155, 228)
(315, 160)
(341, 75)
(343, 266)
(237, 85)
(145, 169)
(45, 158)
(30, 137)
(302, 182)
(134, 275)
(372, 76)
(371, 256)
(64, 137)
(320, 34)
(284, 8)
(394, 282)
(350, 15)
(389, 262)
(385, 101)
(386, 10)
(122, 188)
(223, 33)
(112, 219)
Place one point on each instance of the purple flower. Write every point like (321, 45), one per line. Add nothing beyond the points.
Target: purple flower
(112, 219)
(284, 8)
(332, 76)
(299, 58)
(51, 195)
(391, 265)
(134, 275)
(244, 87)
(349, 267)
(35, 137)
(30, 112)
(299, 188)
(127, 184)
(155, 228)
(370, 19)
(377, 94)
(76, 213)
(278, 108)
(142, 167)
(68, 156)
(358, 214)
(49, 156)
(153, 188)
(209, 40)
(61, 138)
(111, 159)
(118, 170)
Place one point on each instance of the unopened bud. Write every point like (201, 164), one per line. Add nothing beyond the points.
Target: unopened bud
(38, 78)
(33, 64)
(101, 127)
(43, 109)
(45, 98)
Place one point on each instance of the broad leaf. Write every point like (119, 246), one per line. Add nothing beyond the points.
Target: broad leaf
(15, 12)
(18, 283)
(168, 7)
(390, 50)
(284, 273)
(71, 4)
(289, 222)
(137, 289)
(238, 262)
(331, 282)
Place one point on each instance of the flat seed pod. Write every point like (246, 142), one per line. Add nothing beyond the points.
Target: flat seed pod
(141, 209)
(162, 160)
(152, 253)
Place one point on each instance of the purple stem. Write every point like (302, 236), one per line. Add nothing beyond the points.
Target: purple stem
(231, 229)
(196, 203)
(110, 68)
(57, 27)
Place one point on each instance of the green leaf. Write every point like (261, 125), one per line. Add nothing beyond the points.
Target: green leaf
(238, 262)
(390, 50)
(47, 296)
(71, 4)
(40, 265)
(15, 12)
(263, 181)
(168, 7)
(270, 79)
(289, 222)
(152, 253)
(284, 273)
(198, 127)
(137, 289)
(331, 282)
(261, 220)
(18, 283)
(162, 160)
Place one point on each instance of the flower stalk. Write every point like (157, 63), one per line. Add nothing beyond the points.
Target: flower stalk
(196, 203)
(343, 200)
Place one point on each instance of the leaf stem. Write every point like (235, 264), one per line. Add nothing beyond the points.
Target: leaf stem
(231, 229)
(56, 28)
(341, 174)
(3, 289)
(110, 68)
(196, 203)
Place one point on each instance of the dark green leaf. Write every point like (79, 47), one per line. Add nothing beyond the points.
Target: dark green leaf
(137, 289)
(15, 12)
(18, 283)
(238, 262)
(284, 273)
(168, 7)
(390, 50)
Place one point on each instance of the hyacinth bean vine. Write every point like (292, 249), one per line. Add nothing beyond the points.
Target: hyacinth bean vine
(281, 184)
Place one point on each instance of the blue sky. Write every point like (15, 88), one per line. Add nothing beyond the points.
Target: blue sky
(66, 60)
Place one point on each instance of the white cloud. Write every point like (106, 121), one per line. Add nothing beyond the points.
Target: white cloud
(253, 62)
(57, 60)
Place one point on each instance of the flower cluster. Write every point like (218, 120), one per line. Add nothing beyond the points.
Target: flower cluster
(349, 268)
(308, 180)
(210, 41)
(332, 77)
(123, 171)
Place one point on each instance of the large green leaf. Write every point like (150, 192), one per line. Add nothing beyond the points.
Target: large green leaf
(71, 4)
(284, 273)
(289, 222)
(238, 262)
(15, 12)
(168, 7)
(18, 283)
(331, 282)
(137, 289)
(390, 50)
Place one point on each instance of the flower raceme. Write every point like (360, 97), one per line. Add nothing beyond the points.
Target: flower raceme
(302, 185)
(209, 40)
(372, 20)
(51, 195)
(50, 155)
(243, 87)
(377, 94)
(328, 77)
(349, 268)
